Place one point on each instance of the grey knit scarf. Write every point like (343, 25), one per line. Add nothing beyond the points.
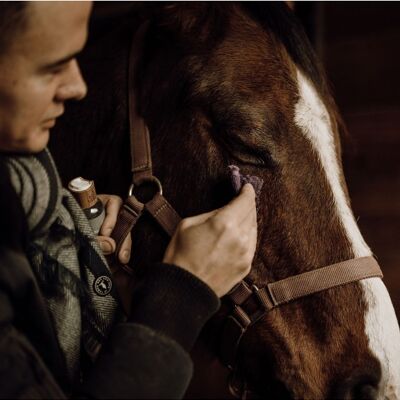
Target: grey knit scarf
(66, 259)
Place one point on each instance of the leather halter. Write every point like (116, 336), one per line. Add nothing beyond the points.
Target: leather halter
(142, 171)
(249, 303)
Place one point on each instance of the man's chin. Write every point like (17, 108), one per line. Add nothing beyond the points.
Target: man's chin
(38, 142)
(35, 143)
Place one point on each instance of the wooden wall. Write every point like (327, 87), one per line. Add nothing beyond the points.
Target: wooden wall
(359, 44)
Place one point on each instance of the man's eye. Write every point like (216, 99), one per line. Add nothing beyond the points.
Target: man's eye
(58, 68)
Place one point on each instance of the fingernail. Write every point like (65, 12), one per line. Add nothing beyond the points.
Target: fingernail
(125, 256)
(106, 247)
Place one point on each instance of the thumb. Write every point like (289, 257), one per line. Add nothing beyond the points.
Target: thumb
(106, 244)
(201, 218)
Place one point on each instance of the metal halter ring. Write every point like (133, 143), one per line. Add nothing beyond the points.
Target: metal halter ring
(151, 179)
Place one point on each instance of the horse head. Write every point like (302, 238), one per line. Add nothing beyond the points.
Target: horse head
(222, 84)
(235, 89)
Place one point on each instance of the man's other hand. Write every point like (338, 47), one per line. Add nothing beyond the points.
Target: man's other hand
(112, 205)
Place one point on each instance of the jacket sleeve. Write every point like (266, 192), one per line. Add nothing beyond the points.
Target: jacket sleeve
(23, 373)
(148, 357)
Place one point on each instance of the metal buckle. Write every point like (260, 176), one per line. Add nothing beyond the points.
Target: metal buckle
(264, 297)
(151, 179)
(254, 288)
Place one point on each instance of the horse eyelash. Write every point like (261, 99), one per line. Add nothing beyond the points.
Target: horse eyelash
(256, 157)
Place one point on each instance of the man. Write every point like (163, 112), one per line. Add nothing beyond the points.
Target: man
(61, 330)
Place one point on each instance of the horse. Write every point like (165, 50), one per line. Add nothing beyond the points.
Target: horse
(238, 83)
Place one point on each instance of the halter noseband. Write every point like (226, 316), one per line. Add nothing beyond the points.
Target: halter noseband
(249, 303)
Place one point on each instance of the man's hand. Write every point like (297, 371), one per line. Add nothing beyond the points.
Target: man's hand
(218, 247)
(112, 204)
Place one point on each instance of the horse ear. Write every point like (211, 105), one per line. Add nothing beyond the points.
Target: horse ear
(192, 21)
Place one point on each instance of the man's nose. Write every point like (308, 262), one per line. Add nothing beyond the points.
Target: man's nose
(72, 87)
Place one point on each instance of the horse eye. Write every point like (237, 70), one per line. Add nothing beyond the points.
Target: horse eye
(247, 154)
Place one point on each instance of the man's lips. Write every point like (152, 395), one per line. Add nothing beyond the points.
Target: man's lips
(50, 122)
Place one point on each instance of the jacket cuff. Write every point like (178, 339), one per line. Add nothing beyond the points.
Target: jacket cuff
(174, 302)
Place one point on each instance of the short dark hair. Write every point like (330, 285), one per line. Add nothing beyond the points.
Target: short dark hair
(12, 20)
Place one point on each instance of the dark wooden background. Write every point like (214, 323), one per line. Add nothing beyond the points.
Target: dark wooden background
(359, 44)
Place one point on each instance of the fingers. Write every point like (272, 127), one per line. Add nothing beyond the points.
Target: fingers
(198, 219)
(112, 204)
(251, 228)
(124, 254)
(250, 220)
(252, 244)
(239, 208)
(107, 245)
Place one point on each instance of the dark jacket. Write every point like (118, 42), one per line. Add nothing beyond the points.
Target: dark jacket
(146, 357)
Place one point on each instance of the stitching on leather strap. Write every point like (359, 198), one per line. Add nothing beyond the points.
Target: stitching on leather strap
(140, 167)
(160, 209)
(164, 214)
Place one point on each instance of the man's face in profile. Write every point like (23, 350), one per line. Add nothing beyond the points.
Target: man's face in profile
(39, 72)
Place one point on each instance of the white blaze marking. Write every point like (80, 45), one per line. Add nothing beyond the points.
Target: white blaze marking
(381, 324)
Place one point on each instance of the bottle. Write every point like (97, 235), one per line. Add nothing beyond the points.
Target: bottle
(84, 192)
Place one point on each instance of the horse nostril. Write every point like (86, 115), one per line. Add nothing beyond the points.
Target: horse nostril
(364, 391)
(357, 387)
